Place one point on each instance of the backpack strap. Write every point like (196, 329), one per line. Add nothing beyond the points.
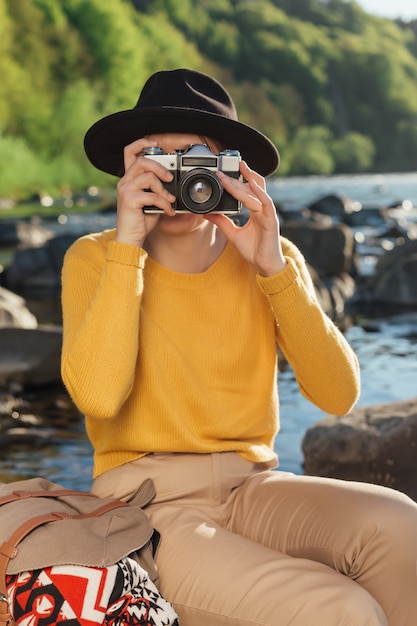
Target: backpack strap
(57, 493)
(9, 549)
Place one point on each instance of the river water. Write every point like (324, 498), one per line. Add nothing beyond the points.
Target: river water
(386, 346)
(380, 190)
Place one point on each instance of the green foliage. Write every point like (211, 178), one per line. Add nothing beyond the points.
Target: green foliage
(73, 113)
(353, 153)
(333, 87)
(314, 150)
(23, 171)
(168, 48)
(310, 152)
(114, 47)
(52, 11)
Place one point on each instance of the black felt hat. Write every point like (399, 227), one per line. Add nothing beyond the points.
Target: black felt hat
(178, 101)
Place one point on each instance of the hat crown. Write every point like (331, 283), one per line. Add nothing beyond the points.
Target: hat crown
(186, 89)
(178, 101)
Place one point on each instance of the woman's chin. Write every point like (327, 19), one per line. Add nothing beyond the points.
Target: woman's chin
(181, 221)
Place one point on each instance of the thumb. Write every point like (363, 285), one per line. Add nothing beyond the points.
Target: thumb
(224, 223)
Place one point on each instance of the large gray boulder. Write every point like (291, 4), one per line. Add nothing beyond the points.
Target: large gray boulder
(337, 206)
(395, 277)
(30, 356)
(36, 270)
(376, 444)
(329, 248)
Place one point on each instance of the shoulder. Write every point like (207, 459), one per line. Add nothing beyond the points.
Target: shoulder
(91, 245)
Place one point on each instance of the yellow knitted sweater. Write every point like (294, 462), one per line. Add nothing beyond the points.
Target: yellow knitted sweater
(161, 361)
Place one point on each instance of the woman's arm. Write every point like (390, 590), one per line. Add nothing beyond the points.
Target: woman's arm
(102, 284)
(101, 295)
(325, 366)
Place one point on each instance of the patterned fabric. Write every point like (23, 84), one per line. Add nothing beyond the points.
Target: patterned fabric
(71, 595)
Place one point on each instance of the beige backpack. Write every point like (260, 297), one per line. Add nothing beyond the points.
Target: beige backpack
(43, 524)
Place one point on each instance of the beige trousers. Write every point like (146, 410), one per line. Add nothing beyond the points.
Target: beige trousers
(246, 545)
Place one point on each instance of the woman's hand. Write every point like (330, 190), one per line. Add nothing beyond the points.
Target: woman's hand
(141, 186)
(258, 241)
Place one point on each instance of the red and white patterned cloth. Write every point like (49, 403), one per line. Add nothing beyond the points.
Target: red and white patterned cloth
(71, 595)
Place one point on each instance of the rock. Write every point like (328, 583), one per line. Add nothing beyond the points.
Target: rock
(395, 276)
(37, 269)
(341, 289)
(333, 292)
(14, 312)
(8, 233)
(376, 218)
(14, 232)
(30, 356)
(376, 444)
(330, 249)
(32, 234)
(337, 206)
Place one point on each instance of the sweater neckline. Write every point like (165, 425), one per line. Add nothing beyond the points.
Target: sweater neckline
(181, 280)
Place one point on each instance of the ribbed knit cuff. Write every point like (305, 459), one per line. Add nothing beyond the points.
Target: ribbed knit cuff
(272, 285)
(126, 254)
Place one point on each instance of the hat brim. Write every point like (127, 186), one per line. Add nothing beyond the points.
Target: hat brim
(105, 140)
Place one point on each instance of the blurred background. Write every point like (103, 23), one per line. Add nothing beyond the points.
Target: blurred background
(333, 83)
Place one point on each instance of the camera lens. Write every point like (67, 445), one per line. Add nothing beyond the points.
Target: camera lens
(200, 191)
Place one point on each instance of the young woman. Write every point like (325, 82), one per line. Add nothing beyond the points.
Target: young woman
(171, 327)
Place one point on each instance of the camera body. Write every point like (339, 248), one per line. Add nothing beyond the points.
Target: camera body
(195, 185)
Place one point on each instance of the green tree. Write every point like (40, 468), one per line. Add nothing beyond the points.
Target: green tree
(310, 152)
(354, 153)
(117, 51)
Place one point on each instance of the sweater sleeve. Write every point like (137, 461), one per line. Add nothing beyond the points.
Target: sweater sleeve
(325, 366)
(102, 285)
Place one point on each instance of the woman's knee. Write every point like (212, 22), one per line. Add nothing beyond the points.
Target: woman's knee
(331, 599)
(355, 607)
(389, 523)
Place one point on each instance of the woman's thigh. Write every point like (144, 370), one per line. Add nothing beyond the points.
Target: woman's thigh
(363, 531)
(215, 577)
(234, 537)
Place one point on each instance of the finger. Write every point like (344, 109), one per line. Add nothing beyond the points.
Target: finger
(143, 164)
(150, 200)
(142, 200)
(146, 190)
(252, 194)
(240, 191)
(224, 223)
(136, 162)
(260, 192)
(250, 174)
(264, 205)
(146, 181)
(134, 149)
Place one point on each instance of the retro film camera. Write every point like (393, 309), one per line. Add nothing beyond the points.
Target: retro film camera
(195, 184)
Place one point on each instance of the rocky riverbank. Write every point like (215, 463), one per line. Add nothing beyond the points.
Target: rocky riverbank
(374, 444)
